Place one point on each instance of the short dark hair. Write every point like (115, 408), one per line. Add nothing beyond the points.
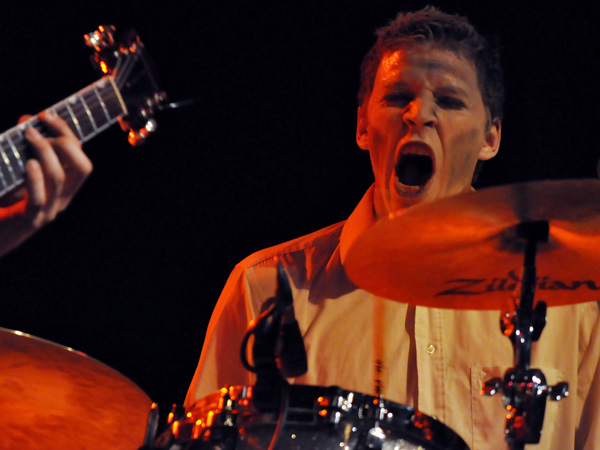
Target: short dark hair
(450, 32)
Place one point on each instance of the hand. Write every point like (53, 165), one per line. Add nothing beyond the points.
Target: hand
(55, 175)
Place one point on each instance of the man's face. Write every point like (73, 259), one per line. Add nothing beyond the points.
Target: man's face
(425, 127)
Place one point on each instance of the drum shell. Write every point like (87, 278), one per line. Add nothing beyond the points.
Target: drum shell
(318, 418)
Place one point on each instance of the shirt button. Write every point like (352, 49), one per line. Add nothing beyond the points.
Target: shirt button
(430, 349)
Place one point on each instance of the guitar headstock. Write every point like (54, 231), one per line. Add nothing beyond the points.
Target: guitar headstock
(127, 62)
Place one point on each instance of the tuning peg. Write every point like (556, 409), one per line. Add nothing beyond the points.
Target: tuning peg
(137, 137)
(100, 39)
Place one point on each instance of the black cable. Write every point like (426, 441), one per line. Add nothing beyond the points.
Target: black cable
(283, 411)
(244, 347)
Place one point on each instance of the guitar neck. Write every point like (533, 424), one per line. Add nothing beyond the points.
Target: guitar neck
(87, 112)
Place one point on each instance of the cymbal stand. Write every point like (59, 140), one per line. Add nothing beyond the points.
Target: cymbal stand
(525, 389)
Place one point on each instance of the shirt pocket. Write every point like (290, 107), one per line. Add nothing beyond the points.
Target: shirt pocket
(489, 414)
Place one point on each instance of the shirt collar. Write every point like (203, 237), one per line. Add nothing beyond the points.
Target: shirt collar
(361, 218)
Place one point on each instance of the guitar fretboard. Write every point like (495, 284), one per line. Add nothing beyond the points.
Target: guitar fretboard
(88, 112)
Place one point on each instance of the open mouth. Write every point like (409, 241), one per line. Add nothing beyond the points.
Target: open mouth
(414, 169)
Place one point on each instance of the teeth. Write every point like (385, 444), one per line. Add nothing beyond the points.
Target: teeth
(416, 149)
(410, 189)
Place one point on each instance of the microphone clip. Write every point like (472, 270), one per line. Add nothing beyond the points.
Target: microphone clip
(278, 348)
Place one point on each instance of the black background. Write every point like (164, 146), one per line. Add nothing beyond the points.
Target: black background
(129, 274)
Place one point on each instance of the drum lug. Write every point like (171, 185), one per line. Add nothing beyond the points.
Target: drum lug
(177, 413)
(376, 438)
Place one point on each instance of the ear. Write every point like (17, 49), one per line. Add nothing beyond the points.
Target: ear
(362, 136)
(492, 141)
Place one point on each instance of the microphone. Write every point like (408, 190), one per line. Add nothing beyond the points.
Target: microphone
(278, 349)
(292, 357)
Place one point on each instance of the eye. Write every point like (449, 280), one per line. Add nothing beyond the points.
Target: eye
(400, 99)
(449, 102)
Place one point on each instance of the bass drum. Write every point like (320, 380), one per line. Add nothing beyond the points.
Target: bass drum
(317, 418)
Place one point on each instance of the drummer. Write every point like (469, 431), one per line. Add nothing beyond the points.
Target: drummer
(53, 176)
(430, 111)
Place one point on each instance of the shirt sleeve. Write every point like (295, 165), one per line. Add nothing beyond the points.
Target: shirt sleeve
(587, 436)
(6, 212)
(220, 363)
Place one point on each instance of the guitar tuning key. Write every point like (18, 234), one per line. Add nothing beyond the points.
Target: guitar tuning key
(137, 137)
(100, 39)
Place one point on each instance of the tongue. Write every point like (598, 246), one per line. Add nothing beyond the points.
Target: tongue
(414, 170)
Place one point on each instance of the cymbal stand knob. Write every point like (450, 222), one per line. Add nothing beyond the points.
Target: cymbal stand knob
(558, 391)
(491, 387)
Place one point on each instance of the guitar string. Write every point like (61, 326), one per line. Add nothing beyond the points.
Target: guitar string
(14, 137)
(128, 66)
(12, 165)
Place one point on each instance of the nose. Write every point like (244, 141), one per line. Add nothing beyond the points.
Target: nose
(420, 113)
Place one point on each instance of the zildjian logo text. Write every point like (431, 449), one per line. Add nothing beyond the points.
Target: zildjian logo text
(469, 286)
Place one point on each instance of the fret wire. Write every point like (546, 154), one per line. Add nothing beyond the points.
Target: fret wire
(8, 164)
(113, 96)
(91, 100)
(63, 114)
(102, 104)
(106, 97)
(117, 94)
(90, 95)
(87, 126)
(14, 148)
(21, 143)
(97, 93)
(15, 165)
(99, 101)
(99, 111)
(6, 186)
(73, 119)
(19, 130)
(18, 158)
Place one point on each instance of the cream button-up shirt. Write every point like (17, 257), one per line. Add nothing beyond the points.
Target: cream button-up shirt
(432, 359)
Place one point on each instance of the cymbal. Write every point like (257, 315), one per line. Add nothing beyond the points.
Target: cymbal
(53, 397)
(461, 252)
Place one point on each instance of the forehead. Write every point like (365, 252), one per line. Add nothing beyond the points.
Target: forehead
(426, 64)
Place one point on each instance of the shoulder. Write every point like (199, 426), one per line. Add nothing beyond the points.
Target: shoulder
(304, 259)
(320, 242)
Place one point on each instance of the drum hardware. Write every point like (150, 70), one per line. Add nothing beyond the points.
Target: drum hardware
(275, 327)
(308, 417)
(464, 240)
(472, 243)
(270, 391)
(524, 389)
(461, 252)
(151, 427)
(319, 418)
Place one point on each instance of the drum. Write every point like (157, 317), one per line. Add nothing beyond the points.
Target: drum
(317, 418)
